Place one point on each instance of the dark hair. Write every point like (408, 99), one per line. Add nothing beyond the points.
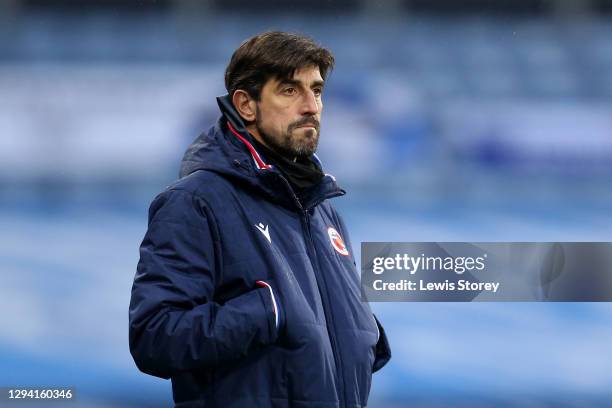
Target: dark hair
(273, 54)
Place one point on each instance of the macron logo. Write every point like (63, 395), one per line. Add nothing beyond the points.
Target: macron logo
(264, 230)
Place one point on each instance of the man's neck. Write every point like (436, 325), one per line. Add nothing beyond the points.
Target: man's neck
(252, 129)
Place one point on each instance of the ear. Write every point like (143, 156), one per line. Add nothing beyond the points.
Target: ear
(245, 105)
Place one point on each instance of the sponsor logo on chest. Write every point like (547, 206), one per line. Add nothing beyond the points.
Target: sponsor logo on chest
(337, 241)
(264, 230)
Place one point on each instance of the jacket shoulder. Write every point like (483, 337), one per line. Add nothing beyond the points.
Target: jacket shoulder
(198, 192)
(201, 183)
(327, 207)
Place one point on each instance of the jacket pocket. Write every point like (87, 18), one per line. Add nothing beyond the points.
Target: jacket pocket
(274, 303)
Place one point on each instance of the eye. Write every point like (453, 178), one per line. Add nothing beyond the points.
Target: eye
(289, 91)
(317, 91)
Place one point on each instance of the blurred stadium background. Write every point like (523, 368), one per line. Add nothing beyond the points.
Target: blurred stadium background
(445, 120)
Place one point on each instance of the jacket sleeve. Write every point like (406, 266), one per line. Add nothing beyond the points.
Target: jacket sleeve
(174, 323)
(383, 350)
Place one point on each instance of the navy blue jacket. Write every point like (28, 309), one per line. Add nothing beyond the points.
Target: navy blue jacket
(245, 295)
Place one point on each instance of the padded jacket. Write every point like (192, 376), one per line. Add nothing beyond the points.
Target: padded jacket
(245, 295)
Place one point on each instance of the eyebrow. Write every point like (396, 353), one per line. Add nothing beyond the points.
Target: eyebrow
(294, 82)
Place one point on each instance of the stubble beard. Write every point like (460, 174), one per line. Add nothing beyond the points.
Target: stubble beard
(291, 145)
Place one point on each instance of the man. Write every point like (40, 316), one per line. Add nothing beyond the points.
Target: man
(247, 293)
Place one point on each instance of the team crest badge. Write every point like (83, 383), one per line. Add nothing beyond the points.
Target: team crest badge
(336, 241)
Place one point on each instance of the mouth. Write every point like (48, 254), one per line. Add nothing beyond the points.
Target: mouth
(307, 126)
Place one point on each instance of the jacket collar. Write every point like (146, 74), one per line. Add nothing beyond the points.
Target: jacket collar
(227, 149)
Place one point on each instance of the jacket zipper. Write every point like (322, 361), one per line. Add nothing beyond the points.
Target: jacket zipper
(320, 279)
(328, 314)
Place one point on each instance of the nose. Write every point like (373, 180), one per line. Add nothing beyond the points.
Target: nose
(309, 104)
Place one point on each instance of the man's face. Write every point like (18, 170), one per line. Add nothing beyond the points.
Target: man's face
(289, 111)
